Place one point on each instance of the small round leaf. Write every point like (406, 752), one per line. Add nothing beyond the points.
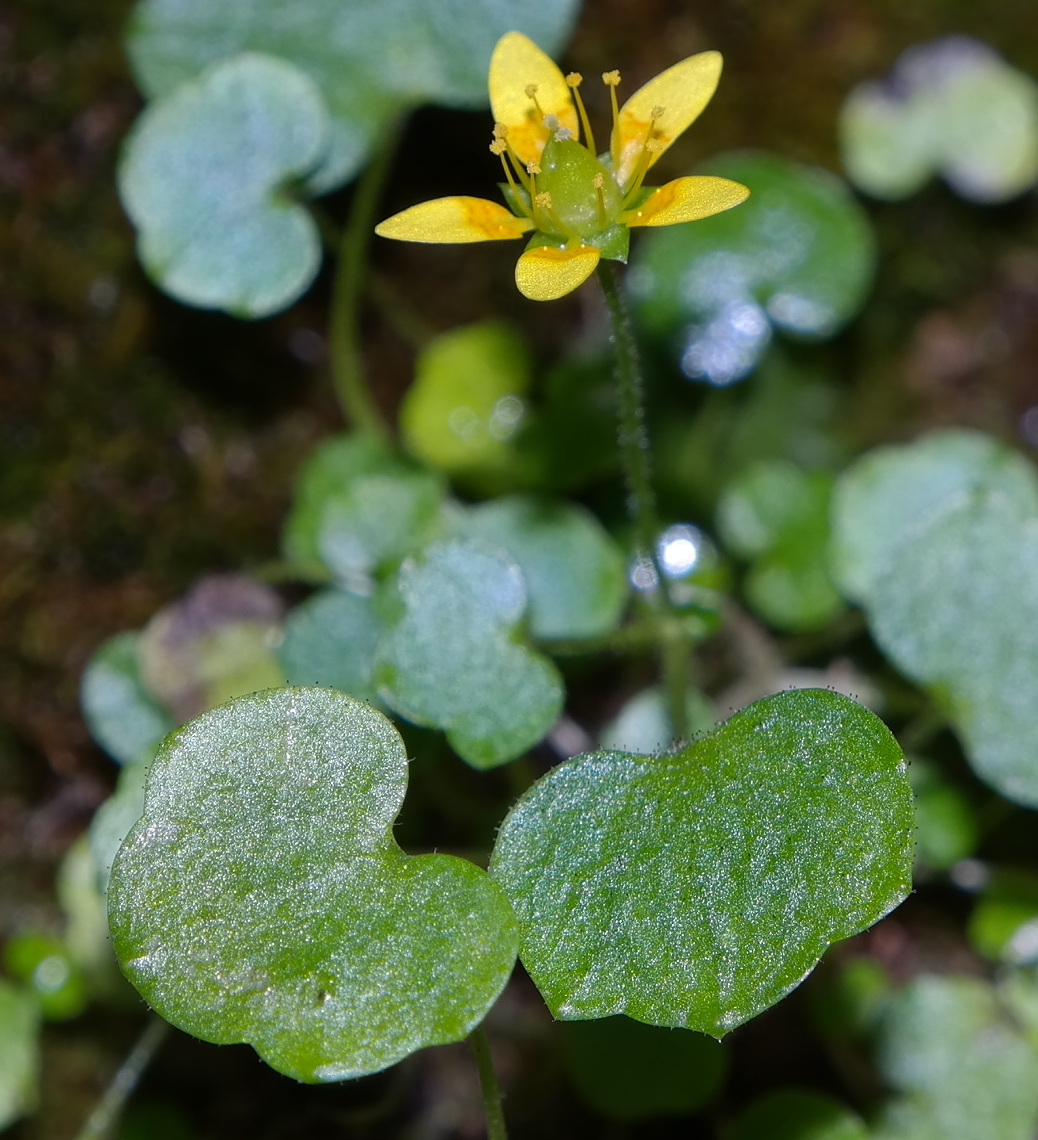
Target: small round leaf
(206, 177)
(454, 661)
(952, 107)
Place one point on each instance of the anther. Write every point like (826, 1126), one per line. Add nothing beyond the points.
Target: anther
(657, 112)
(611, 78)
(543, 199)
(551, 122)
(498, 146)
(563, 134)
(533, 168)
(573, 81)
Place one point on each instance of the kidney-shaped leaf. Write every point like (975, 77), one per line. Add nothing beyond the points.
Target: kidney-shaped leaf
(369, 58)
(939, 541)
(262, 898)
(205, 178)
(454, 661)
(952, 107)
(699, 887)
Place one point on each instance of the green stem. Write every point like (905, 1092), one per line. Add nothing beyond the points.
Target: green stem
(635, 454)
(109, 1108)
(348, 376)
(488, 1083)
(636, 461)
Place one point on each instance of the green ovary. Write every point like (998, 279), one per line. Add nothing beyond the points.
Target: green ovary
(568, 174)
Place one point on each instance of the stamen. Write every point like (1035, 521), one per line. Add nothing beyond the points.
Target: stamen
(542, 201)
(612, 80)
(573, 82)
(641, 167)
(531, 93)
(599, 182)
(500, 147)
(501, 135)
(533, 169)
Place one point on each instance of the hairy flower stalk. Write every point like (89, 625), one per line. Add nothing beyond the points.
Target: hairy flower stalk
(577, 206)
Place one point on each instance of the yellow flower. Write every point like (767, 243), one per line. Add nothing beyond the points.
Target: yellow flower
(578, 205)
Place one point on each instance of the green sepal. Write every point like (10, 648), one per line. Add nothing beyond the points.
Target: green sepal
(613, 243)
(517, 199)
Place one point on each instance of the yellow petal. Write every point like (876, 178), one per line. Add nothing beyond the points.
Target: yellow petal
(682, 91)
(454, 220)
(687, 200)
(547, 273)
(518, 63)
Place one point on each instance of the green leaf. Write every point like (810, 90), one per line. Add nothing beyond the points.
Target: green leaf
(19, 1052)
(263, 898)
(698, 888)
(949, 587)
(797, 256)
(892, 494)
(330, 639)
(630, 1071)
(777, 516)
(965, 1071)
(454, 660)
(359, 509)
(214, 643)
(792, 411)
(115, 817)
(1004, 923)
(43, 963)
(951, 107)
(205, 178)
(468, 402)
(123, 716)
(799, 1114)
(369, 58)
(574, 572)
(86, 921)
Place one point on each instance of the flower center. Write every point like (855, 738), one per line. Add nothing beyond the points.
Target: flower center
(571, 193)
